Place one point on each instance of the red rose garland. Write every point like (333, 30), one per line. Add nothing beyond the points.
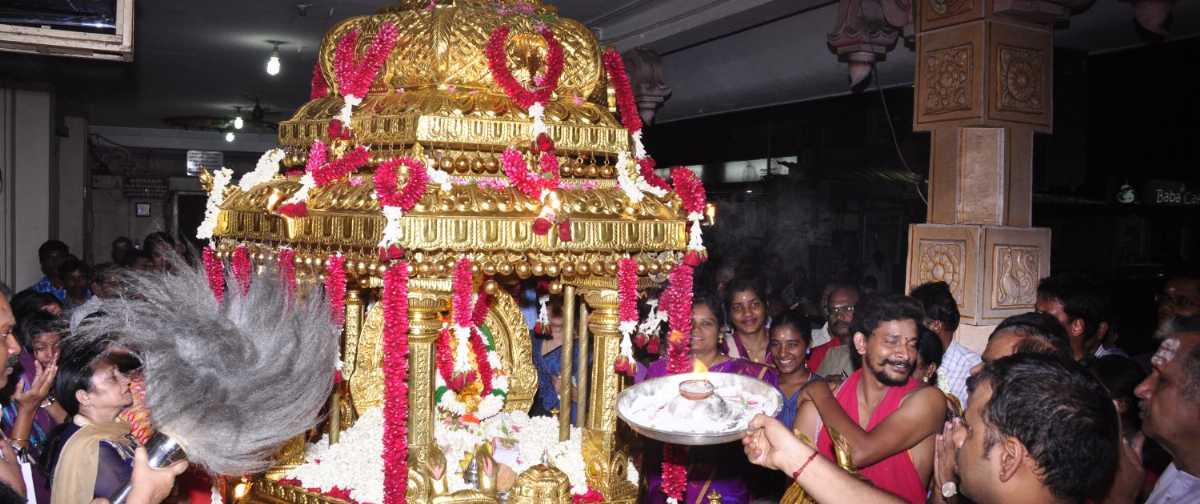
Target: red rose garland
(691, 191)
(397, 201)
(627, 312)
(395, 365)
(287, 270)
(624, 91)
(498, 65)
(318, 87)
(484, 367)
(533, 186)
(461, 284)
(354, 77)
(241, 267)
(348, 163)
(646, 167)
(216, 274)
(335, 287)
(678, 301)
(479, 314)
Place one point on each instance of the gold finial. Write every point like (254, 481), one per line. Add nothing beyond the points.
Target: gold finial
(714, 497)
(206, 180)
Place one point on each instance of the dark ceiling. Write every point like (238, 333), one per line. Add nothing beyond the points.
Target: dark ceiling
(206, 58)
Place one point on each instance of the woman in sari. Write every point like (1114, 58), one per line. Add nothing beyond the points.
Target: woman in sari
(791, 337)
(747, 306)
(719, 468)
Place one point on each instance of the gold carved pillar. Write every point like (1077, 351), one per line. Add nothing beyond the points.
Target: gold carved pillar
(426, 299)
(983, 89)
(606, 462)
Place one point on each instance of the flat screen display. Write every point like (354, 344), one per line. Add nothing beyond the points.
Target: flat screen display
(89, 16)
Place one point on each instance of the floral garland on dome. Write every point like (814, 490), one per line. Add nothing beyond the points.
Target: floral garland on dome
(241, 267)
(395, 365)
(677, 300)
(354, 76)
(627, 313)
(631, 176)
(471, 388)
(216, 196)
(335, 287)
(542, 184)
(397, 201)
(318, 87)
(691, 191)
(215, 270)
(264, 170)
(318, 173)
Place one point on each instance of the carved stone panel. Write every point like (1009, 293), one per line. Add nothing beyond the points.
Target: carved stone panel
(1020, 75)
(1017, 258)
(950, 75)
(942, 261)
(939, 13)
(1015, 276)
(947, 253)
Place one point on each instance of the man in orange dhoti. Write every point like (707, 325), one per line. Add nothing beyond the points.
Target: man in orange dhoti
(888, 419)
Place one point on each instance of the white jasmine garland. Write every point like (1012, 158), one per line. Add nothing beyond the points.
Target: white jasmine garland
(220, 179)
(639, 150)
(391, 229)
(348, 104)
(462, 355)
(537, 112)
(438, 177)
(627, 178)
(215, 497)
(307, 182)
(264, 170)
(654, 319)
(695, 240)
(342, 464)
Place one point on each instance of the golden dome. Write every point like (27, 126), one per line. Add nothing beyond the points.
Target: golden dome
(541, 484)
(436, 89)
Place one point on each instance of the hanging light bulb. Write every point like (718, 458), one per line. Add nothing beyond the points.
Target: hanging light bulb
(229, 136)
(273, 62)
(238, 122)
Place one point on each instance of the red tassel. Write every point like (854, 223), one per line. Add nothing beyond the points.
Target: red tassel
(564, 230)
(292, 210)
(541, 226)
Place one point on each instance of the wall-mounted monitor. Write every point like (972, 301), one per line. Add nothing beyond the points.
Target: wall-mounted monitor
(97, 29)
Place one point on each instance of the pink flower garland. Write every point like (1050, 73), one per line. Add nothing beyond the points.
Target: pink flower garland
(461, 285)
(546, 83)
(287, 270)
(395, 365)
(319, 88)
(624, 91)
(348, 163)
(689, 188)
(627, 313)
(479, 314)
(241, 267)
(414, 189)
(646, 166)
(216, 274)
(517, 169)
(354, 77)
(335, 287)
(678, 302)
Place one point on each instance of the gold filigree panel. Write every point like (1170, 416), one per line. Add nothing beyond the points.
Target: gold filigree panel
(947, 77)
(509, 333)
(1015, 276)
(943, 261)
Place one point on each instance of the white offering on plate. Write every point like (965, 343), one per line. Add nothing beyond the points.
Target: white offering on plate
(697, 408)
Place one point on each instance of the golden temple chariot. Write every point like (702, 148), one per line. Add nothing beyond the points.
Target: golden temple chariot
(435, 99)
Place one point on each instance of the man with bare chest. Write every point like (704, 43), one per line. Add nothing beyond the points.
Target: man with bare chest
(888, 419)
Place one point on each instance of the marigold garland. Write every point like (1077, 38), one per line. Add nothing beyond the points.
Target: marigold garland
(241, 267)
(335, 287)
(498, 65)
(395, 365)
(287, 270)
(215, 270)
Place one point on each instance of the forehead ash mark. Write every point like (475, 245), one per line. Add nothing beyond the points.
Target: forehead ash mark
(1166, 352)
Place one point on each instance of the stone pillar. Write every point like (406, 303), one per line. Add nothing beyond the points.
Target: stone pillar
(606, 463)
(983, 89)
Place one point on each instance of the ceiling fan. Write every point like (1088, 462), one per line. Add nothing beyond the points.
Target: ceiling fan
(257, 119)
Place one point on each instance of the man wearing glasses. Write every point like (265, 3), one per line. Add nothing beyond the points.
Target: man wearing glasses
(832, 358)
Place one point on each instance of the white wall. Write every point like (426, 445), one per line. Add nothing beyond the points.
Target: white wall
(28, 168)
(72, 177)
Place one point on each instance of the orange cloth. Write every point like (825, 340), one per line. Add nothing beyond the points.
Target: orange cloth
(896, 473)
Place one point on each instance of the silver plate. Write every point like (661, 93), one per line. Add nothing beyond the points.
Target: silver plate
(774, 403)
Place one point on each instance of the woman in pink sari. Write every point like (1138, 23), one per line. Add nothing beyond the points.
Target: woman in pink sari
(720, 468)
